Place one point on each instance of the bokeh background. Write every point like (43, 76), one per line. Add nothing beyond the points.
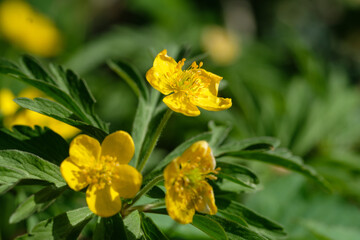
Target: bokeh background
(292, 68)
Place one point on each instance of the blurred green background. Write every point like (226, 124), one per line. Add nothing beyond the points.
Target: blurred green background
(291, 67)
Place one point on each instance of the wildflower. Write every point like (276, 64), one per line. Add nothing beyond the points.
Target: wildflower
(28, 29)
(190, 88)
(104, 169)
(13, 115)
(186, 185)
(222, 45)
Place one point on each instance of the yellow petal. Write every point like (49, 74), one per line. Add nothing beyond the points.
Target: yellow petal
(84, 150)
(179, 102)
(205, 201)
(181, 209)
(73, 175)
(103, 202)
(163, 73)
(210, 102)
(171, 173)
(212, 79)
(118, 145)
(126, 181)
(199, 151)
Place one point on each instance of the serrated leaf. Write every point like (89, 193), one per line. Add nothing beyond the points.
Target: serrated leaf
(63, 86)
(57, 111)
(209, 226)
(237, 174)
(151, 231)
(131, 77)
(42, 142)
(110, 228)
(36, 203)
(28, 166)
(257, 143)
(64, 226)
(133, 226)
(284, 159)
(237, 212)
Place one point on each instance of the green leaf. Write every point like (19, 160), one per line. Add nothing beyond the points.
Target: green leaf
(209, 226)
(283, 158)
(151, 231)
(63, 86)
(143, 116)
(36, 203)
(110, 228)
(237, 212)
(131, 77)
(257, 143)
(155, 192)
(22, 165)
(64, 226)
(42, 142)
(236, 231)
(333, 232)
(57, 111)
(133, 226)
(237, 174)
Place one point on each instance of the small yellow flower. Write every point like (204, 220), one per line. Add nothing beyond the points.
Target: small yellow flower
(28, 29)
(186, 185)
(191, 88)
(104, 169)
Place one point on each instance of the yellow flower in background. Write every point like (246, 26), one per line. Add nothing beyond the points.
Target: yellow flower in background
(7, 106)
(188, 88)
(222, 45)
(28, 29)
(186, 185)
(14, 115)
(104, 169)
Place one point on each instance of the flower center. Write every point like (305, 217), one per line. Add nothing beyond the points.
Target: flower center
(100, 174)
(189, 81)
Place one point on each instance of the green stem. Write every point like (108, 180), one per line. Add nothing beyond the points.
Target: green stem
(145, 189)
(155, 138)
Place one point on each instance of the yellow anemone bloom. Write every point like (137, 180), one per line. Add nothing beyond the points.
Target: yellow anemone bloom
(7, 106)
(190, 88)
(28, 29)
(186, 187)
(104, 169)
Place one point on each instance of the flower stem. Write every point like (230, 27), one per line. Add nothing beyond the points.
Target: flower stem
(155, 138)
(145, 189)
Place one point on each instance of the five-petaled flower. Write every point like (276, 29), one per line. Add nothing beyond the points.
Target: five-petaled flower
(105, 169)
(190, 88)
(186, 185)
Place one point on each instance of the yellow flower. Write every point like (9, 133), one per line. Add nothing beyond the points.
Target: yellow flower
(29, 118)
(191, 88)
(186, 185)
(28, 29)
(221, 44)
(7, 106)
(105, 169)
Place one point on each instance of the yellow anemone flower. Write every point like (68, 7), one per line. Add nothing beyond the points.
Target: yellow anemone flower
(105, 169)
(191, 88)
(28, 29)
(186, 187)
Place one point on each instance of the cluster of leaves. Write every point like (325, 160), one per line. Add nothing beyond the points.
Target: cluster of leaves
(32, 157)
